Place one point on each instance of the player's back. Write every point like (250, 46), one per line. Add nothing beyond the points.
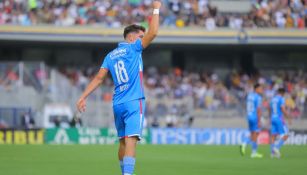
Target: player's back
(126, 67)
(253, 101)
(275, 106)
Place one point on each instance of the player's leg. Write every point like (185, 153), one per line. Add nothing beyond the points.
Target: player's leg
(248, 140)
(275, 131)
(272, 147)
(121, 153)
(254, 138)
(283, 130)
(120, 127)
(129, 157)
(133, 130)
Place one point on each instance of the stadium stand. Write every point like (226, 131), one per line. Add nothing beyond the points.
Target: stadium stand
(174, 95)
(176, 13)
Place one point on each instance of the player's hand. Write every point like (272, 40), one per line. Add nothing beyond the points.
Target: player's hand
(81, 105)
(156, 4)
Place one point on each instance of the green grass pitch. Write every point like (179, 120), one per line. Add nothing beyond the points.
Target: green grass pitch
(151, 160)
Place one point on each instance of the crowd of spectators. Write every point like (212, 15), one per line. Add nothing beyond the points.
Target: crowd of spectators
(174, 13)
(174, 93)
(202, 90)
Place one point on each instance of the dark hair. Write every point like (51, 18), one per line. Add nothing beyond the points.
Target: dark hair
(281, 90)
(133, 28)
(256, 85)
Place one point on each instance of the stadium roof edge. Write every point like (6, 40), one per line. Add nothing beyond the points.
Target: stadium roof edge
(98, 34)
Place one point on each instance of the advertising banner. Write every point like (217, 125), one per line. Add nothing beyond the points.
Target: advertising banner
(210, 136)
(297, 137)
(86, 136)
(198, 136)
(29, 136)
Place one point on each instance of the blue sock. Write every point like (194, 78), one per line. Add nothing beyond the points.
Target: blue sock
(121, 163)
(129, 163)
(254, 146)
(280, 143)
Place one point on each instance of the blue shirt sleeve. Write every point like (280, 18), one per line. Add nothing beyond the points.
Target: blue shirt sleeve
(105, 63)
(137, 45)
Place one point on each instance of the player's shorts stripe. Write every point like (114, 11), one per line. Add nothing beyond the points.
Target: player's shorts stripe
(141, 113)
(141, 80)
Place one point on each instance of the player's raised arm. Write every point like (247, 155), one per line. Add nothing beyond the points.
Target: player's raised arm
(97, 80)
(153, 26)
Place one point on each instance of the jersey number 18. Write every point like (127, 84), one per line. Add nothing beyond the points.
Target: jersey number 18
(121, 72)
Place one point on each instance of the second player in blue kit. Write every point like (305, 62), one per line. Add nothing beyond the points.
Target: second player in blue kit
(279, 129)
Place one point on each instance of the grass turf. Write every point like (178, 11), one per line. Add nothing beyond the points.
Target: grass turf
(151, 160)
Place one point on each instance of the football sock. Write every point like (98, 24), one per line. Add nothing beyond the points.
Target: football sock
(254, 146)
(280, 143)
(272, 147)
(129, 163)
(121, 163)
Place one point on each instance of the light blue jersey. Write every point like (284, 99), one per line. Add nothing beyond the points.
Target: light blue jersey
(126, 67)
(253, 102)
(278, 125)
(277, 102)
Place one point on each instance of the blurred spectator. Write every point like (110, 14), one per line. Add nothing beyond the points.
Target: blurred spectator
(27, 121)
(76, 122)
(57, 122)
(3, 124)
(155, 123)
(179, 13)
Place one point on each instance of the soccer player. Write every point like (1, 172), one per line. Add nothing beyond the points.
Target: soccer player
(254, 112)
(279, 129)
(126, 67)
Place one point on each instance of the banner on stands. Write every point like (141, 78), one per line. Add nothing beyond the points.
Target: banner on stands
(204, 136)
(14, 136)
(209, 136)
(86, 136)
(198, 136)
(297, 137)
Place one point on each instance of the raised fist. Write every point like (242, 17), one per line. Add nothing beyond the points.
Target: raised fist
(156, 4)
